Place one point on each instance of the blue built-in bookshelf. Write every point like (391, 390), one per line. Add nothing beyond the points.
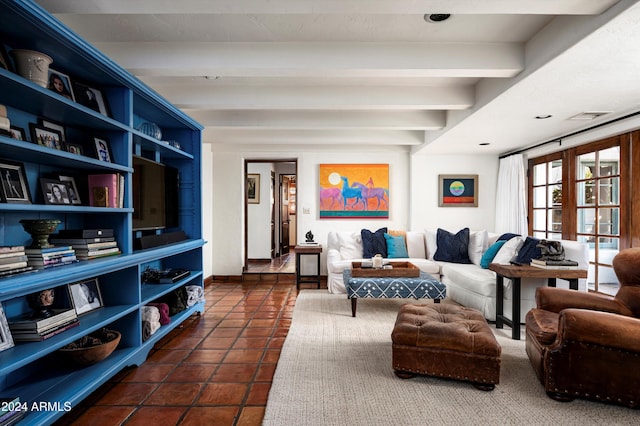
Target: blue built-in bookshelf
(33, 371)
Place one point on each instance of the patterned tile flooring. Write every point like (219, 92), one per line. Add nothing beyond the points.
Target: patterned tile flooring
(215, 369)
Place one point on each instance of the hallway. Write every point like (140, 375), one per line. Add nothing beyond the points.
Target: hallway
(285, 264)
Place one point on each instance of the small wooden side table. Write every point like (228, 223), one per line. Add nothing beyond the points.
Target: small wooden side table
(307, 250)
(515, 273)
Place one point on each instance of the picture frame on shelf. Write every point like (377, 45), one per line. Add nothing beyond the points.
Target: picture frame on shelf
(55, 192)
(72, 188)
(18, 133)
(6, 339)
(253, 188)
(85, 296)
(458, 190)
(74, 148)
(43, 136)
(103, 151)
(14, 187)
(60, 83)
(49, 124)
(91, 97)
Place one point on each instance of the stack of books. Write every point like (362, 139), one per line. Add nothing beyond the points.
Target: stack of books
(554, 264)
(88, 243)
(29, 329)
(11, 411)
(44, 258)
(106, 190)
(13, 260)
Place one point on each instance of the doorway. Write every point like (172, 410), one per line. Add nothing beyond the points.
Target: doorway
(270, 215)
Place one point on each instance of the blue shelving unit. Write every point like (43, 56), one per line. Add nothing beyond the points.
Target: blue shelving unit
(33, 371)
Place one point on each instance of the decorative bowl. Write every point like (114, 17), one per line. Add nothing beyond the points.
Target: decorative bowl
(151, 129)
(40, 229)
(80, 353)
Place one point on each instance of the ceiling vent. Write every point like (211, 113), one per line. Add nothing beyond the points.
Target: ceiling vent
(589, 115)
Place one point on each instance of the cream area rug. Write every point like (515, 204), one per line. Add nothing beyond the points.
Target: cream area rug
(336, 370)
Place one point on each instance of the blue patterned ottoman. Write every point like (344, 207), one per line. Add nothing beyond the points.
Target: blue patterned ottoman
(422, 287)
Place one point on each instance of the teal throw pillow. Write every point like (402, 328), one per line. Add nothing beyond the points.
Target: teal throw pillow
(396, 247)
(491, 252)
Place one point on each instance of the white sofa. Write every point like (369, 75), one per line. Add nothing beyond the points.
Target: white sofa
(467, 284)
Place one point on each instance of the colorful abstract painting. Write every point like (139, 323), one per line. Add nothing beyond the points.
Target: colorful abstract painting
(458, 190)
(354, 191)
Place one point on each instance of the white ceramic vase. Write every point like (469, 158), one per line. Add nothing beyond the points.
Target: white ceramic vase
(33, 65)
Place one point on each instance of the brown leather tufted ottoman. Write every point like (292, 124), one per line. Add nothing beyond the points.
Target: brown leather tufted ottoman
(447, 341)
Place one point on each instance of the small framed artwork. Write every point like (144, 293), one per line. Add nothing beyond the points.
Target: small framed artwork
(14, 188)
(458, 190)
(18, 133)
(253, 189)
(91, 97)
(61, 84)
(45, 137)
(103, 152)
(6, 340)
(55, 191)
(74, 148)
(53, 126)
(72, 189)
(85, 296)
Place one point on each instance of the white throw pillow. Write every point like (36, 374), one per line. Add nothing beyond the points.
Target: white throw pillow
(507, 251)
(477, 245)
(350, 245)
(432, 242)
(415, 244)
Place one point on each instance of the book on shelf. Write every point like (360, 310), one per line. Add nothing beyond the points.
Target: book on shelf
(12, 266)
(27, 322)
(11, 249)
(88, 245)
(34, 336)
(554, 264)
(11, 417)
(54, 261)
(48, 250)
(52, 255)
(12, 259)
(93, 254)
(104, 190)
(83, 233)
(55, 239)
(16, 271)
(12, 254)
(7, 404)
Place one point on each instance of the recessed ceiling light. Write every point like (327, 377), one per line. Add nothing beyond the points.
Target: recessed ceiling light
(543, 116)
(436, 17)
(589, 115)
(484, 143)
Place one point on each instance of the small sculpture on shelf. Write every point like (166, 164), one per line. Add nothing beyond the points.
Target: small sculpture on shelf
(309, 237)
(41, 303)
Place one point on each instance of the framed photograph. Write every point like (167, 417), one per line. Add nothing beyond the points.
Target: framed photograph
(91, 97)
(14, 188)
(45, 137)
(74, 148)
(72, 189)
(61, 84)
(53, 126)
(6, 340)
(18, 133)
(458, 190)
(85, 296)
(55, 191)
(253, 189)
(103, 152)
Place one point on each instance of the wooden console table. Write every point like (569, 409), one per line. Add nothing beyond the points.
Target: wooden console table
(515, 273)
(308, 250)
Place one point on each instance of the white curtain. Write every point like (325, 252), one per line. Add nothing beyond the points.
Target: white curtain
(511, 197)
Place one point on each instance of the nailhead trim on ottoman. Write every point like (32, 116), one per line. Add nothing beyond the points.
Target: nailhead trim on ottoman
(446, 341)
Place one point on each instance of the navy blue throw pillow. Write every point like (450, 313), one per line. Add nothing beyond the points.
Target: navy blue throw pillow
(528, 251)
(507, 236)
(373, 243)
(453, 248)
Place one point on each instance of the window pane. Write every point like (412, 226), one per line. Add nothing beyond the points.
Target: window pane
(586, 193)
(555, 195)
(539, 235)
(585, 164)
(607, 280)
(608, 221)
(592, 251)
(607, 249)
(540, 174)
(586, 221)
(539, 222)
(554, 237)
(539, 196)
(609, 191)
(555, 220)
(555, 171)
(609, 160)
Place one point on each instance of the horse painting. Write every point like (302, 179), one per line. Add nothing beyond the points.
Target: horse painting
(333, 195)
(349, 192)
(381, 194)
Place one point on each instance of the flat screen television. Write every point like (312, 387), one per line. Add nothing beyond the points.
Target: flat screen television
(155, 195)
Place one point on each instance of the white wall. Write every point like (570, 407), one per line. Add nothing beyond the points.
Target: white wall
(207, 208)
(413, 195)
(259, 215)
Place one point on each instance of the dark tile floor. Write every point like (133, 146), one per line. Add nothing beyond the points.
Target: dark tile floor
(283, 264)
(215, 369)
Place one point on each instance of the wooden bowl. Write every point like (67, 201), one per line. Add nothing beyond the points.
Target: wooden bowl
(90, 354)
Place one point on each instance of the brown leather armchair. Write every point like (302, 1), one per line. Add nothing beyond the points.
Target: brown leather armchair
(587, 345)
